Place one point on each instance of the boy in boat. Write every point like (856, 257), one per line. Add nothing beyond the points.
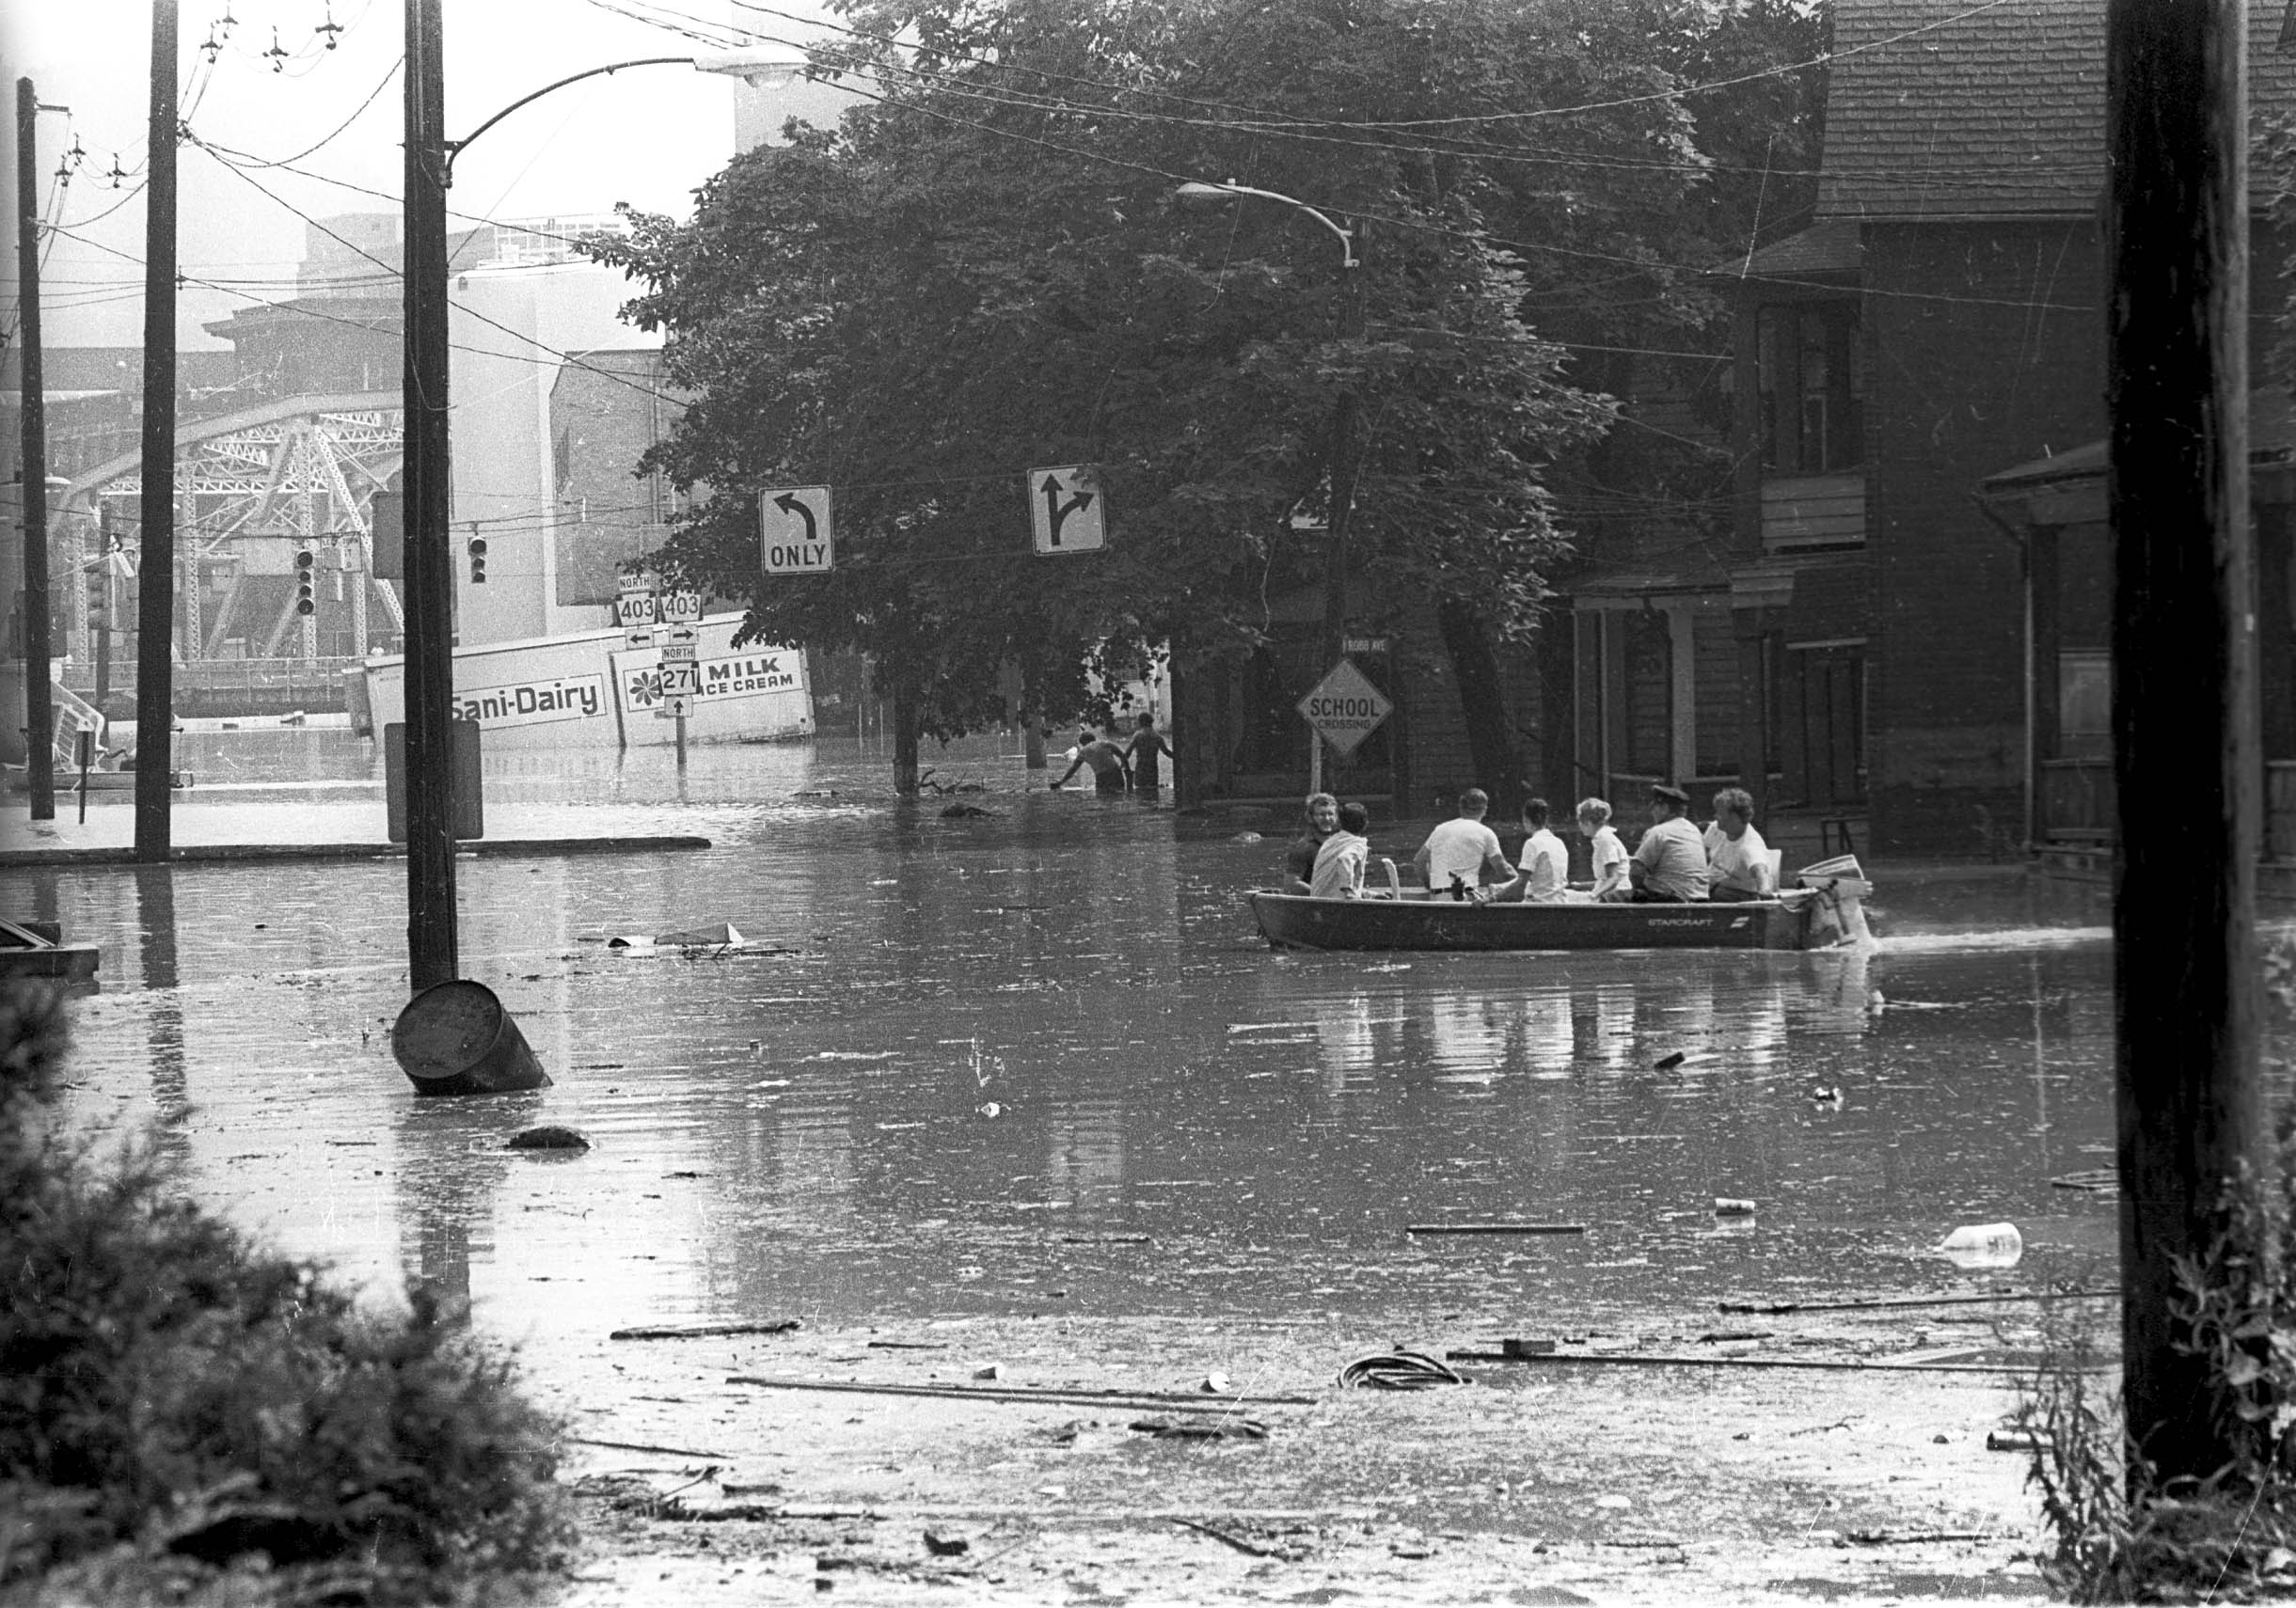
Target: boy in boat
(1299, 859)
(1610, 855)
(1340, 863)
(1545, 863)
(1462, 852)
(1104, 757)
(1669, 866)
(1737, 861)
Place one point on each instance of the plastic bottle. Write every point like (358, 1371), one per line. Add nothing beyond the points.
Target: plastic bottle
(1984, 1245)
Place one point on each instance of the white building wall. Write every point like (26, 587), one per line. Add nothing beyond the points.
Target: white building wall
(514, 329)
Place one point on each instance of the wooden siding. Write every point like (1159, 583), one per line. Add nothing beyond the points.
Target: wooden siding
(1813, 511)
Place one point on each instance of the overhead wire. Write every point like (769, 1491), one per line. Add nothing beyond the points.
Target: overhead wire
(469, 311)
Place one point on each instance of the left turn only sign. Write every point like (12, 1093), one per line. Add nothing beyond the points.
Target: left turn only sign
(794, 531)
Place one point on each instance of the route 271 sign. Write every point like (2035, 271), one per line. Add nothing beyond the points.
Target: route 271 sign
(1066, 508)
(794, 534)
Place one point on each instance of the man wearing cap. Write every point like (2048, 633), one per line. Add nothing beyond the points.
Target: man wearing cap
(1669, 866)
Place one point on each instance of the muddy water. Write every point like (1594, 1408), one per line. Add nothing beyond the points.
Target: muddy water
(1041, 1061)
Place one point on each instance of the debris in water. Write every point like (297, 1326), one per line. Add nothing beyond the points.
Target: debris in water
(947, 1543)
(706, 1330)
(1512, 1347)
(991, 1109)
(1729, 1205)
(1984, 1245)
(1398, 1370)
(1220, 1429)
(548, 1137)
(1668, 1060)
(993, 1371)
(1216, 1384)
(1244, 837)
(1826, 1095)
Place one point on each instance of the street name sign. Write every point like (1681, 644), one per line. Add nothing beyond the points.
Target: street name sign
(1344, 707)
(793, 533)
(1067, 511)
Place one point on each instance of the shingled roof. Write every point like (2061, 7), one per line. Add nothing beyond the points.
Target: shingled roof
(2000, 112)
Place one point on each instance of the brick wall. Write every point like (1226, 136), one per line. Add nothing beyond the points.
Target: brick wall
(1984, 348)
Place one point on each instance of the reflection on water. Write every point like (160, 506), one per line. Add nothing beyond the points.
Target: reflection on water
(1002, 1050)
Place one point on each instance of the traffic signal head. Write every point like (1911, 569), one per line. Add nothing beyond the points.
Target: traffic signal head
(478, 561)
(305, 561)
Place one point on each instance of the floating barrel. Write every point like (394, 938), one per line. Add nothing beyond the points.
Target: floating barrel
(458, 1039)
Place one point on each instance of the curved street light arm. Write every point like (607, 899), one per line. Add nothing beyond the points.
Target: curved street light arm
(1347, 236)
(454, 147)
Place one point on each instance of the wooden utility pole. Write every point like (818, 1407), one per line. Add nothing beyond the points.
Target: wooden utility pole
(155, 582)
(39, 700)
(431, 957)
(2186, 763)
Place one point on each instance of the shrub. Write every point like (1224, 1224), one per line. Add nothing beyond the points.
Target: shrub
(168, 1385)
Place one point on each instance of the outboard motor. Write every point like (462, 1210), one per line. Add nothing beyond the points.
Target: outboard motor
(1840, 916)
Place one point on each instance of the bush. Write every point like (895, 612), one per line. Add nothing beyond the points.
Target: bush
(169, 1387)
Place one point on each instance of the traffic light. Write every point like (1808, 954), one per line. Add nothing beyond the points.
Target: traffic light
(478, 561)
(305, 561)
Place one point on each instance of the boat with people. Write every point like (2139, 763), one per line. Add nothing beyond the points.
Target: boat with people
(1824, 909)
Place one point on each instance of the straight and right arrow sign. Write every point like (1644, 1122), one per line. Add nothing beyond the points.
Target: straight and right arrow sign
(1067, 510)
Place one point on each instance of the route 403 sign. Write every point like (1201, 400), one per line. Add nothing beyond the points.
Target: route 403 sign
(1345, 707)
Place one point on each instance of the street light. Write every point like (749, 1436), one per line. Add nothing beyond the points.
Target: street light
(429, 579)
(1344, 412)
(758, 69)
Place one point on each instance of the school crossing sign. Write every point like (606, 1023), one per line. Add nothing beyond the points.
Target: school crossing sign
(1344, 707)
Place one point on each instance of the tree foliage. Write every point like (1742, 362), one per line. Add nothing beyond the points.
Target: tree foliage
(984, 269)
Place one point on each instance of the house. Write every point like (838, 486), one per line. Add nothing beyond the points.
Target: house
(1858, 648)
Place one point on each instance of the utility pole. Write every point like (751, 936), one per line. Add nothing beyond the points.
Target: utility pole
(155, 583)
(2184, 961)
(431, 958)
(1345, 430)
(39, 700)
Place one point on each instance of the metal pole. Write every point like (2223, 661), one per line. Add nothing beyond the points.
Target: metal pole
(430, 583)
(155, 582)
(111, 604)
(1344, 460)
(2184, 960)
(39, 698)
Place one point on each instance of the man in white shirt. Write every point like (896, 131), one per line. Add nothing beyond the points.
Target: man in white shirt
(1340, 863)
(1460, 852)
(1669, 866)
(1545, 863)
(1737, 861)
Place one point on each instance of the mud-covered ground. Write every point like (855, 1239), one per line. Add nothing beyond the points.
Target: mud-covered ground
(1536, 1483)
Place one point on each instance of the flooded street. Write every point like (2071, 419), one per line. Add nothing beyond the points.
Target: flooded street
(981, 1057)
(1029, 1089)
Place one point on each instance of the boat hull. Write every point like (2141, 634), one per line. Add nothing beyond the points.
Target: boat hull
(1296, 921)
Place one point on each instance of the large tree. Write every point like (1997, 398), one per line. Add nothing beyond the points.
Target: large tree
(983, 269)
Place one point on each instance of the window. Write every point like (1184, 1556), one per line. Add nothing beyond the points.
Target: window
(1812, 395)
(2085, 705)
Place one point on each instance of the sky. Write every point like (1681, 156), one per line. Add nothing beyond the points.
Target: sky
(648, 136)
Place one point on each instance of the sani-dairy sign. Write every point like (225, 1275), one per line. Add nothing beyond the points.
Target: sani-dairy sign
(530, 702)
(734, 675)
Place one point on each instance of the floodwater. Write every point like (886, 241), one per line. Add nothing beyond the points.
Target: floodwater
(1041, 1061)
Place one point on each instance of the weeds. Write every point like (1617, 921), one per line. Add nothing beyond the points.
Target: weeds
(2121, 1534)
(174, 1397)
